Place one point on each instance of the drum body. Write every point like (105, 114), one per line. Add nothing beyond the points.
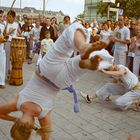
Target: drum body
(18, 56)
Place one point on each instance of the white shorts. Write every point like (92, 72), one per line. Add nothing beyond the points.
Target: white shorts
(40, 92)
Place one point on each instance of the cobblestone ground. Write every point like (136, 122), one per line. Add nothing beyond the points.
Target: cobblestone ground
(95, 121)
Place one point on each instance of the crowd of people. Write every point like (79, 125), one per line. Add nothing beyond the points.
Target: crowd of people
(65, 50)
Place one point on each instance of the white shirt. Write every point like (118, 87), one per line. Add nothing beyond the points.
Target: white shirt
(35, 32)
(47, 44)
(122, 34)
(105, 35)
(129, 79)
(10, 27)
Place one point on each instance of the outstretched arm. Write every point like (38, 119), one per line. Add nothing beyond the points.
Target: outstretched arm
(117, 73)
(8, 117)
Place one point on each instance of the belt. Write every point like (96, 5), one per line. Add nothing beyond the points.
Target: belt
(137, 86)
(37, 72)
(71, 89)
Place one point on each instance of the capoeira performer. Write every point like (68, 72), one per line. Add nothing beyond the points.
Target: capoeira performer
(55, 71)
(126, 84)
(12, 30)
(2, 53)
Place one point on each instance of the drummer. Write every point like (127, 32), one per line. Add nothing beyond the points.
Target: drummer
(12, 29)
(2, 53)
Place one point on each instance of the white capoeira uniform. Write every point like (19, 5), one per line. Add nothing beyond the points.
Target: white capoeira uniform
(128, 88)
(9, 28)
(58, 67)
(2, 58)
(136, 62)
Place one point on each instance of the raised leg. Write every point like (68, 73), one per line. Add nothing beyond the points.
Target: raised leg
(93, 47)
(91, 64)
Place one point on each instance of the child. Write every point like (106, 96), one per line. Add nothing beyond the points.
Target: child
(46, 44)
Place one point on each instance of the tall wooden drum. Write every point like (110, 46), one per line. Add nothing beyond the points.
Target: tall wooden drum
(18, 56)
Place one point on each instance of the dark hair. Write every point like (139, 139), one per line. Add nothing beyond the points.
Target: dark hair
(47, 32)
(66, 17)
(1, 11)
(12, 13)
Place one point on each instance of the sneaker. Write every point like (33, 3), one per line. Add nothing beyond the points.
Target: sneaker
(86, 97)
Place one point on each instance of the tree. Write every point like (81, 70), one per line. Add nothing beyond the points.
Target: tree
(131, 7)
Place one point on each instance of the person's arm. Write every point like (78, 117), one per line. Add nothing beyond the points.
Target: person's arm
(42, 46)
(8, 117)
(127, 37)
(84, 48)
(117, 73)
(122, 41)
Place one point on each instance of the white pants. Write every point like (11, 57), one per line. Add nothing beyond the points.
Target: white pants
(7, 51)
(2, 65)
(120, 57)
(136, 65)
(126, 98)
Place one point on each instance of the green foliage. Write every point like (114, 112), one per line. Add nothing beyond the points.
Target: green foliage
(131, 7)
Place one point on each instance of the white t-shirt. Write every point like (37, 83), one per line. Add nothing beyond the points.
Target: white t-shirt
(122, 34)
(57, 65)
(47, 44)
(129, 79)
(36, 32)
(11, 27)
(105, 35)
(137, 49)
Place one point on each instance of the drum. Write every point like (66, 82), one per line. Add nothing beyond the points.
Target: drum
(18, 56)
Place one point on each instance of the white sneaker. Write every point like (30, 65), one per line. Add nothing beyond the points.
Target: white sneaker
(86, 97)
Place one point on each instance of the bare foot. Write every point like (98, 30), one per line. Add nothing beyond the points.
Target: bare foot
(95, 62)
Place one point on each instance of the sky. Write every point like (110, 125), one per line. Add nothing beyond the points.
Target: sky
(68, 7)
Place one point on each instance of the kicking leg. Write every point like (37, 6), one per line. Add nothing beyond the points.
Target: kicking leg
(92, 47)
(91, 64)
(46, 126)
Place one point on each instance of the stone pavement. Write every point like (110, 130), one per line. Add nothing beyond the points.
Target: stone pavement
(95, 121)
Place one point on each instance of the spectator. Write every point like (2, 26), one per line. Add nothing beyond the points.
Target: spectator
(66, 23)
(34, 38)
(45, 28)
(121, 40)
(12, 30)
(55, 27)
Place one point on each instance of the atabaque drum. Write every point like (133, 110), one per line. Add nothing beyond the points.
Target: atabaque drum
(17, 57)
